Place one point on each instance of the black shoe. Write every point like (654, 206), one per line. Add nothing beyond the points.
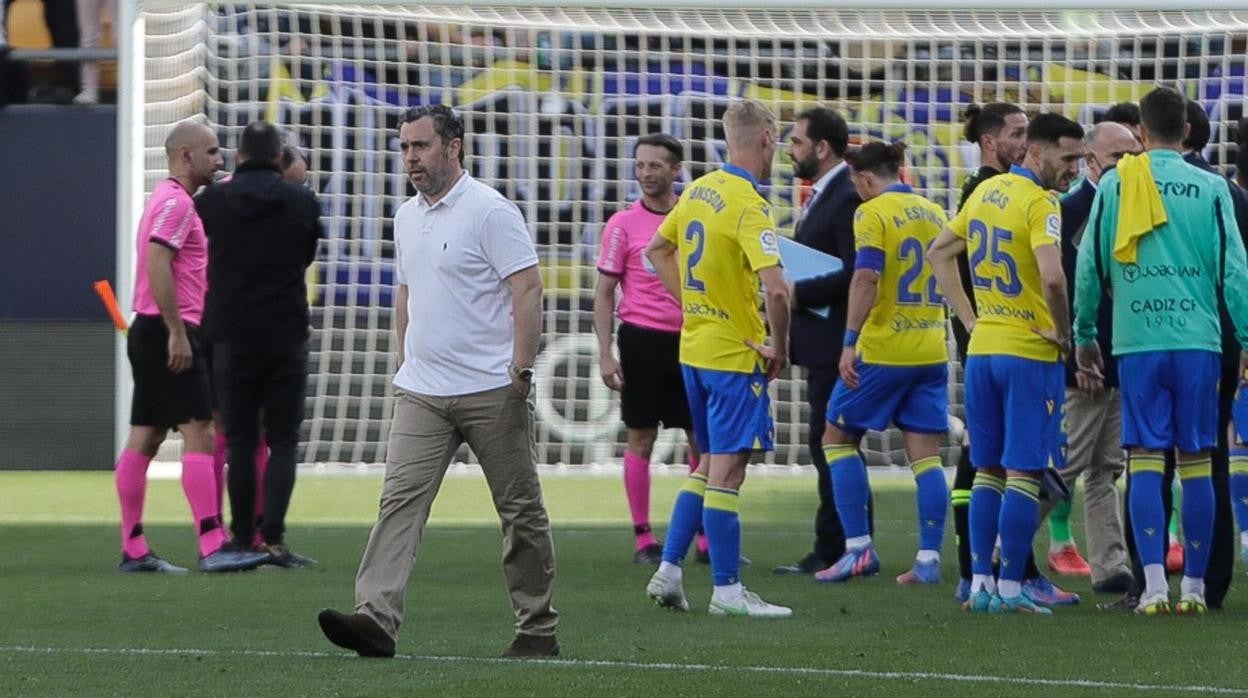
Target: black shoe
(1126, 603)
(532, 646)
(650, 555)
(705, 558)
(282, 556)
(356, 631)
(150, 562)
(1117, 584)
(231, 558)
(807, 565)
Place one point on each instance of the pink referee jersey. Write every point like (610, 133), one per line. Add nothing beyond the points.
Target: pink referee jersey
(170, 220)
(643, 300)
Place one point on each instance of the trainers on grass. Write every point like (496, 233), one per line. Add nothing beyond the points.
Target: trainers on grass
(748, 604)
(667, 592)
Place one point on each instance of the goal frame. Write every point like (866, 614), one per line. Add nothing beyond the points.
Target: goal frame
(130, 31)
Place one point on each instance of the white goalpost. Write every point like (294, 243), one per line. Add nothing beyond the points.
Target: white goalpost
(555, 93)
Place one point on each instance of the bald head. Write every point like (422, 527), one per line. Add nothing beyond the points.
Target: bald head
(187, 134)
(194, 154)
(1107, 142)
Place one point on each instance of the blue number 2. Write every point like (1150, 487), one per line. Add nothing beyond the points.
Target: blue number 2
(911, 250)
(1007, 283)
(696, 235)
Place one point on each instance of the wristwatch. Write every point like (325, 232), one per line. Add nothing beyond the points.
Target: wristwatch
(524, 374)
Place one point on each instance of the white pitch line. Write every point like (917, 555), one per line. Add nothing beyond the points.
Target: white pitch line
(653, 666)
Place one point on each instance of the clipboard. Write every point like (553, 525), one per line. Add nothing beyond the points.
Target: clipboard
(802, 262)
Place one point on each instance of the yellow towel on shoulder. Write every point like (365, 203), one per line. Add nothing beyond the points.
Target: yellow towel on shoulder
(1140, 208)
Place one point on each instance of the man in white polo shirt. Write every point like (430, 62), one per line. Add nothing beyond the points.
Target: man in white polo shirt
(468, 318)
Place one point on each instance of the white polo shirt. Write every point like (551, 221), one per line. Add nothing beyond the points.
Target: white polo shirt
(454, 257)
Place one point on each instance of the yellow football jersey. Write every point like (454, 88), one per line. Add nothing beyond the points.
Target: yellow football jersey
(725, 234)
(1004, 222)
(906, 326)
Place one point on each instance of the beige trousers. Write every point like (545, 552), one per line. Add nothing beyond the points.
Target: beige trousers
(425, 433)
(1094, 450)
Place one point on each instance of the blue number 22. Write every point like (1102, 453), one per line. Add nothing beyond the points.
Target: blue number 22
(695, 234)
(911, 250)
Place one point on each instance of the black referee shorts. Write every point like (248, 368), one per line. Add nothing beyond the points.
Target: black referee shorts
(163, 398)
(654, 391)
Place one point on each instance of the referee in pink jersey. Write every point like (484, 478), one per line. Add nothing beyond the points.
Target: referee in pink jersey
(167, 358)
(647, 374)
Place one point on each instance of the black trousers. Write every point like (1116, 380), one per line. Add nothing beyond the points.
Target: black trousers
(255, 384)
(1222, 556)
(829, 534)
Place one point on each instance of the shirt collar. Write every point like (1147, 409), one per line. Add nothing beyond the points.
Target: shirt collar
(739, 172)
(823, 182)
(898, 188)
(449, 199)
(1024, 172)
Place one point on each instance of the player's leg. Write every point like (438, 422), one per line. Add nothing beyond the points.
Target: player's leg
(850, 413)
(637, 454)
(675, 415)
(923, 419)
(1147, 418)
(960, 504)
(283, 397)
(199, 484)
(262, 467)
(985, 407)
(146, 350)
(1174, 544)
(645, 356)
(498, 426)
(1237, 436)
(423, 439)
(739, 421)
(1082, 420)
(666, 585)
(1195, 375)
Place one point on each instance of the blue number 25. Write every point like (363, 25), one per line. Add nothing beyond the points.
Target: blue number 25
(696, 235)
(1006, 280)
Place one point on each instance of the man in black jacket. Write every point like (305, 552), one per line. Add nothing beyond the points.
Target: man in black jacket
(262, 235)
(817, 147)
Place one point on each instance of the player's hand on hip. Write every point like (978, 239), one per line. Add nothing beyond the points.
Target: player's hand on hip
(849, 370)
(179, 353)
(612, 377)
(1052, 337)
(776, 360)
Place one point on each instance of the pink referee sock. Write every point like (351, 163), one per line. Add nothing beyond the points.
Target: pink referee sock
(199, 483)
(131, 479)
(637, 487)
(262, 464)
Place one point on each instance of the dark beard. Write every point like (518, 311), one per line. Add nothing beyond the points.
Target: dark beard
(806, 169)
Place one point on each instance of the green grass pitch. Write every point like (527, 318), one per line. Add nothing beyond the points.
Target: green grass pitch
(72, 625)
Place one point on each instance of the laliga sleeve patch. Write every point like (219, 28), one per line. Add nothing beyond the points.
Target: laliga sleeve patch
(1053, 226)
(769, 243)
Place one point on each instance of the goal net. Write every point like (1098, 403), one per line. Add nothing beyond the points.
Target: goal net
(554, 99)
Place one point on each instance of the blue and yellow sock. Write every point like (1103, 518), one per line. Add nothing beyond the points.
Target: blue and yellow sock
(723, 535)
(686, 519)
(1239, 486)
(932, 496)
(1148, 518)
(1020, 514)
(850, 488)
(985, 514)
(1197, 479)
